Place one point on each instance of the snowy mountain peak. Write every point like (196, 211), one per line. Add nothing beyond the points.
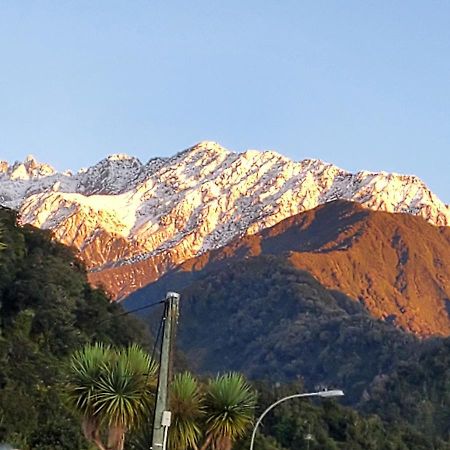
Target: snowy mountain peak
(121, 157)
(30, 159)
(111, 175)
(29, 169)
(204, 149)
(122, 213)
(208, 146)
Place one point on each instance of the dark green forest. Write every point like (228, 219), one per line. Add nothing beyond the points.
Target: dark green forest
(47, 310)
(286, 326)
(331, 426)
(270, 321)
(265, 319)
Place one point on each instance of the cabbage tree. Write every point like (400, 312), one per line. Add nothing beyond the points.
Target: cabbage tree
(112, 389)
(213, 417)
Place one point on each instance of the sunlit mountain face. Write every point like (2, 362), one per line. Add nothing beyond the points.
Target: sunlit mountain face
(394, 265)
(133, 222)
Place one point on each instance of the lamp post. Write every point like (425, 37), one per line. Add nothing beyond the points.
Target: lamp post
(322, 394)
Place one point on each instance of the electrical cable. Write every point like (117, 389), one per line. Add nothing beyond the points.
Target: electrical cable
(132, 311)
(158, 334)
(163, 318)
(140, 309)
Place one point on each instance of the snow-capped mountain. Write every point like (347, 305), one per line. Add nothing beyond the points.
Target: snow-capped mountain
(131, 221)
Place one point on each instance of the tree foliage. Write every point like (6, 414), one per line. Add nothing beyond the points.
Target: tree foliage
(287, 326)
(260, 317)
(112, 389)
(47, 311)
(302, 424)
(212, 415)
(229, 406)
(187, 406)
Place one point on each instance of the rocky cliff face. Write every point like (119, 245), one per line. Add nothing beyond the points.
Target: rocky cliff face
(132, 222)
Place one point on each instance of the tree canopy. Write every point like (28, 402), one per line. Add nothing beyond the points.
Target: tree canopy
(47, 311)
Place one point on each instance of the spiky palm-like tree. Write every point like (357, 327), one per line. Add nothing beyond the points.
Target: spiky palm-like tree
(229, 406)
(186, 404)
(85, 368)
(112, 389)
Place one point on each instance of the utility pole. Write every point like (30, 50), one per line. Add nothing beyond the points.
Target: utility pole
(162, 414)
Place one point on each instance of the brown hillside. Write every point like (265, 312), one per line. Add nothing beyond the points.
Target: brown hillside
(396, 264)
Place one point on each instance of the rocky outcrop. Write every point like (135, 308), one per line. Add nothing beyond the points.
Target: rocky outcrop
(131, 222)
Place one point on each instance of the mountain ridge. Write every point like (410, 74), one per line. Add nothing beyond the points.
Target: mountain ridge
(131, 222)
(393, 264)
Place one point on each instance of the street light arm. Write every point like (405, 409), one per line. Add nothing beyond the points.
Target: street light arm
(323, 394)
(261, 417)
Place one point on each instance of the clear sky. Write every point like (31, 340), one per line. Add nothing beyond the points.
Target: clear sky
(363, 84)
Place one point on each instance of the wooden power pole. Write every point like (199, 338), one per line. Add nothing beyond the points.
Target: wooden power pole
(162, 414)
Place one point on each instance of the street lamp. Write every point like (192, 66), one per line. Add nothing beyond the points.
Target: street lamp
(323, 394)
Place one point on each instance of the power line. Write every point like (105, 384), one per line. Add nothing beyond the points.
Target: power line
(158, 334)
(132, 311)
(140, 309)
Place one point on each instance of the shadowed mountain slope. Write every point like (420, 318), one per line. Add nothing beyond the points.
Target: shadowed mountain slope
(264, 317)
(397, 265)
(270, 320)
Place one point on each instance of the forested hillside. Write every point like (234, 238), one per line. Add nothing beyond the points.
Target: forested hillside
(301, 424)
(260, 316)
(286, 325)
(47, 310)
(271, 321)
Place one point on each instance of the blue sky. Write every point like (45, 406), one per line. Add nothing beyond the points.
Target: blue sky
(362, 84)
